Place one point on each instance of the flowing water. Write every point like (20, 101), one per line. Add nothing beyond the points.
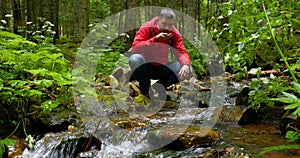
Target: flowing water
(117, 141)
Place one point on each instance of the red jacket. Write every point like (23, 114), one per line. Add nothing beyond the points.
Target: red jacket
(153, 50)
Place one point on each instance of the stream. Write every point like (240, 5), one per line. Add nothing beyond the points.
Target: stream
(112, 131)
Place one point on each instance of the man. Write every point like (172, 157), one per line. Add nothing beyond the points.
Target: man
(150, 54)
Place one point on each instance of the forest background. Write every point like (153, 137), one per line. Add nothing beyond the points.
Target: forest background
(40, 39)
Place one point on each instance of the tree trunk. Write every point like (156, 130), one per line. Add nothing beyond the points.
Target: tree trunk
(171, 4)
(130, 20)
(5, 6)
(54, 18)
(81, 19)
(155, 11)
(199, 18)
(190, 21)
(147, 10)
(18, 21)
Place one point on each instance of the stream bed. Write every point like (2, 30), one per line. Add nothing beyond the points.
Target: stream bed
(189, 128)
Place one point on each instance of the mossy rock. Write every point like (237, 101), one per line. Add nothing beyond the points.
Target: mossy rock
(142, 100)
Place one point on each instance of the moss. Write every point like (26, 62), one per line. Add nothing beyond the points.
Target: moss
(142, 100)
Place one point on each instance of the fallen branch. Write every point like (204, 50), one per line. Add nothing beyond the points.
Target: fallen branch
(251, 75)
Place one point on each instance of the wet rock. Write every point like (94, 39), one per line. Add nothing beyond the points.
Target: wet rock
(64, 144)
(130, 123)
(249, 116)
(289, 122)
(265, 115)
(180, 137)
(242, 97)
(231, 113)
(122, 75)
(270, 115)
(170, 105)
(227, 152)
(54, 121)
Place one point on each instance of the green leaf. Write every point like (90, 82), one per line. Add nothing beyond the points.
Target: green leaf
(292, 136)
(55, 104)
(291, 96)
(283, 100)
(43, 83)
(296, 112)
(6, 142)
(48, 105)
(253, 71)
(297, 87)
(292, 106)
(42, 71)
(54, 56)
(35, 92)
(62, 79)
(288, 15)
(280, 147)
(265, 80)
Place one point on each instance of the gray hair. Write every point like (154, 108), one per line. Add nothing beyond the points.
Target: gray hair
(167, 13)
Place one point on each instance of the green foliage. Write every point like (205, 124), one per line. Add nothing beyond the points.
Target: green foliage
(293, 103)
(292, 136)
(30, 141)
(242, 33)
(261, 89)
(5, 142)
(98, 10)
(198, 62)
(280, 147)
(34, 78)
(292, 100)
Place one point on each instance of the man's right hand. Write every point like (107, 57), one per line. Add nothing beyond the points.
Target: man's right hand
(164, 36)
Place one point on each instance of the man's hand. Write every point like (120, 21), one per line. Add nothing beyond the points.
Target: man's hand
(184, 72)
(164, 36)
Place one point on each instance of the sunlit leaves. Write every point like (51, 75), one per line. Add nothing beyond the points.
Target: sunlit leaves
(6, 142)
(48, 105)
(34, 77)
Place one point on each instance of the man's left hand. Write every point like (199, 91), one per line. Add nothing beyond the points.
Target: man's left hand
(184, 72)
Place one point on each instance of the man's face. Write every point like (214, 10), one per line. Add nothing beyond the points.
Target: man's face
(165, 25)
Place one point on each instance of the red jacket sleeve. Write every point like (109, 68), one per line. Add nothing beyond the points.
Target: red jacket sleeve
(141, 40)
(180, 51)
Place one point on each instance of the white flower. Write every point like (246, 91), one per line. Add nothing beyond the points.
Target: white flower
(254, 36)
(3, 21)
(1, 27)
(215, 30)
(104, 25)
(220, 17)
(229, 12)
(8, 15)
(108, 37)
(123, 34)
(29, 22)
(226, 25)
(91, 25)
